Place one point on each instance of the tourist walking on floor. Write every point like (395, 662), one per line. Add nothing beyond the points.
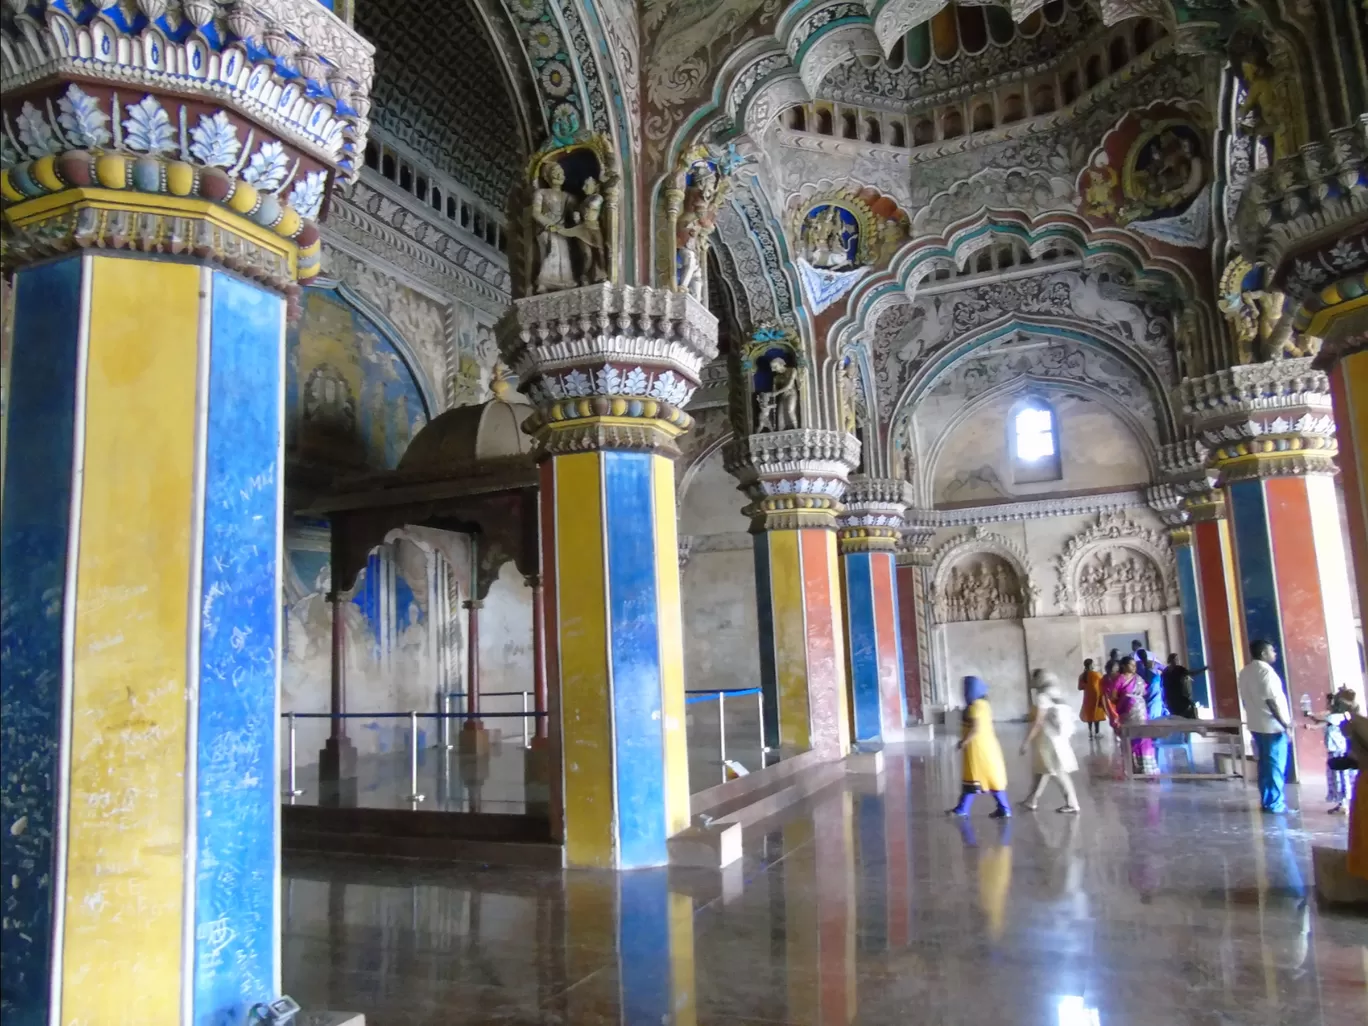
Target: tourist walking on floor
(983, 767)
(1052, 757)
(1094, 712)
(1266, 712)
(1126, 693)
(1149, 671)
(1109, 674)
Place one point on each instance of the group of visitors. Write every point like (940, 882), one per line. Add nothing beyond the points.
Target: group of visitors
(1134, 689)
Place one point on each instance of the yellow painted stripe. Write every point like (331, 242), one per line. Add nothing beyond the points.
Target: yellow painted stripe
(838, 651)
(1354, 372)
(1236, 614)
(590, 938)
(670, 623)
(586, 717)
(790, 638)
(124, 897)
(682, 975)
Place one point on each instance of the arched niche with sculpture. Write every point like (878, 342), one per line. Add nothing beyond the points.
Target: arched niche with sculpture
(843, 229)
(768, 383)
(568, 230)
(1116, 566)
(982, 576)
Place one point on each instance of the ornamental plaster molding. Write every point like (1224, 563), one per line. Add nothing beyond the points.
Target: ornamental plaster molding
(875, 502)
(1112, 531)
(1030, 509)
(794, 478)
(981, 542)
(1321, 191)
(1249, 402)
(290, 65)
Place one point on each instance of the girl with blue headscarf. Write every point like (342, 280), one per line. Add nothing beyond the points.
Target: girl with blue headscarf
(983, 765)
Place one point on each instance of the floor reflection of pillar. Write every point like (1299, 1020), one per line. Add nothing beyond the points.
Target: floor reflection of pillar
(635, 921)
(820, 934)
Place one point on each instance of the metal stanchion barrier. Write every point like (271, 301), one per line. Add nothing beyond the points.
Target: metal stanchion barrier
(722, 731)
(414, 796)
(293, 791)
(526, 742)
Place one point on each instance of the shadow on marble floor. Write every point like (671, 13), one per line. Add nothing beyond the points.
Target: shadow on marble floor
(1169, 903)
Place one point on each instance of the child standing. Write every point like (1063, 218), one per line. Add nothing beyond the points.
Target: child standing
(1338, 782)
(983, 766)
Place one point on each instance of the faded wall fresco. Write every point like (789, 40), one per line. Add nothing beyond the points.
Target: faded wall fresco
(352, 399)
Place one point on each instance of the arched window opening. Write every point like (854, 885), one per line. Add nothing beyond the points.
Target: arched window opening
(923, 132)
(1034, 442)
(1071, 87)
(1013, 108)
(848, 128)
(873, 132)
(1092, 71)
(898, 135)
(1144, 35)
(1043, 99)
(797, 119)
(984, 262)
(983, 117)
(436, 198)
(952, 124)
(824, 122)
(1119, 54)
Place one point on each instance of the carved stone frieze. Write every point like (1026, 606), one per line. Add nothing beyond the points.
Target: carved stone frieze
(1116, 565)
(1027, 509)
(971, 596)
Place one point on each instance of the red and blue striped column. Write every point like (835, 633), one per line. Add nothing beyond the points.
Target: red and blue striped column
(796, 479)
(1213, 565)
(609, 406)
(1272, 438)
(1348, 370)
(868, 538)
(140, 565)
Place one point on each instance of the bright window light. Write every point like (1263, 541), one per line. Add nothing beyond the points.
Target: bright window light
(1073, 1012)
(1034, 434)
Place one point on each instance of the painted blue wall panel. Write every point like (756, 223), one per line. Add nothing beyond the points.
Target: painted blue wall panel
(639, 758)
(235, 932)
(1254, 557)
(864, 646)
(647, 977)
(769, 674)
(1192, 623)
(33, 566)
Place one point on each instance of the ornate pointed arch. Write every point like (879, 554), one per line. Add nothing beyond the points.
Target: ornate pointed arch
(1112, 530)
(979, 541)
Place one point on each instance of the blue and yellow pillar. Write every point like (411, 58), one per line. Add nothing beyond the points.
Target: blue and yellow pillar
(868, 539)
(140, 567)
(610, 565)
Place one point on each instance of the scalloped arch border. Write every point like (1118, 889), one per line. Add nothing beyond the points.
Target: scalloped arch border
(1147, 541)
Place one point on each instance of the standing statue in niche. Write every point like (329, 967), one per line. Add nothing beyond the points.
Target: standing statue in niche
(690, 278)
(588, 234)
(849, 387)
(779, 406)
(550, 207)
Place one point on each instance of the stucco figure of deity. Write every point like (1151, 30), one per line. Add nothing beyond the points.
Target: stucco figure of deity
(588, 234)
(690, 273)
(783, 395)
(551, 206)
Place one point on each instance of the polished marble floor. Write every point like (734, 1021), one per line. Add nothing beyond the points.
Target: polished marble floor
(1173, 903)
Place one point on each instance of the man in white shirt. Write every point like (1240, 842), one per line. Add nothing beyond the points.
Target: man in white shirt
(1269, 719)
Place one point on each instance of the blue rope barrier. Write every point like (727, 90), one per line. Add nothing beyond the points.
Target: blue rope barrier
(703, 696)
(404, 715)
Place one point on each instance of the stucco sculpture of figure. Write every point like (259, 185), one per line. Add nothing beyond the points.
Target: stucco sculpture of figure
(550, 205)
(690, 273)
(849, 417)
(588, 234)
(782, 402)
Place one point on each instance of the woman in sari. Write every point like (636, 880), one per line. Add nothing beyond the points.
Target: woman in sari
(1110, 672)
(1127, 696)
(1094, 712)
(1151, 674)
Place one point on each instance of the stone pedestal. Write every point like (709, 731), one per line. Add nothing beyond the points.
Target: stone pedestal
(610, 368)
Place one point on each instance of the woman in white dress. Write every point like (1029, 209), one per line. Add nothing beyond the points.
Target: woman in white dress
(1052, 757)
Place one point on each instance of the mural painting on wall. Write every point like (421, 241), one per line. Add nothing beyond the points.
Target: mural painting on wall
(1150, 174)
(352, 401)
(983, 589)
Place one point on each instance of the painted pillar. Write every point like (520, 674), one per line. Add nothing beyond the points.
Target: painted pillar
(157, 234)
(913, 624)
(1348, 370)
(541, 733)
(1272, 442)
(868, 536)
(610, 561)
(140, 567)
(794, 479)
(1213, 561)
(1194, 649)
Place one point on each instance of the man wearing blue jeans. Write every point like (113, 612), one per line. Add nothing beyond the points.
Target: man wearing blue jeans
(1269, 719)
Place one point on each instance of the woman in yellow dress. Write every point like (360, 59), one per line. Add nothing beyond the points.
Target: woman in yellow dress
(984, 768)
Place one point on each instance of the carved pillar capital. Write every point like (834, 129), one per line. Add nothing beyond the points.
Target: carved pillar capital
(223, 143)
(1263, 420)
(873, 516)
(608, 366)
(793, 478)
(915, 547)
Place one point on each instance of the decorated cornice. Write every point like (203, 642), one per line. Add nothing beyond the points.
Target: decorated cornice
(1184, 473)
(914, 548)
(793, 478)
(1319, 193)
(608, 366)
(1029, 509)
(873, 516)
(290, 66)
(1264, 419)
